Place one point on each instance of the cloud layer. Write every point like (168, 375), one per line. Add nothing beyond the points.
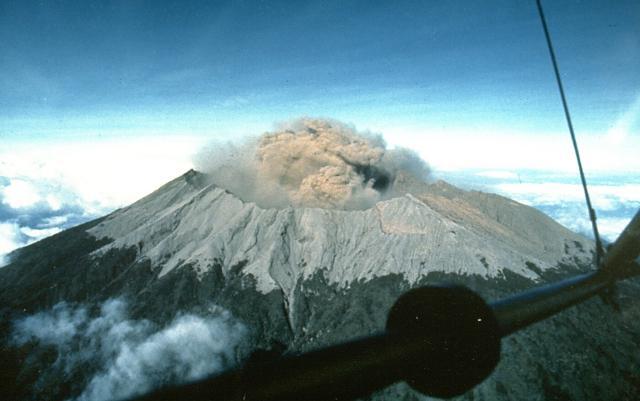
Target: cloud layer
(32, 209)
(615, 204)
(311, 163)
(129, 357)
(47, 186)
(615, 197)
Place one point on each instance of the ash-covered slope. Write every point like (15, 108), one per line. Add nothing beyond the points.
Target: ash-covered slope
(306, 277)
(191, 222)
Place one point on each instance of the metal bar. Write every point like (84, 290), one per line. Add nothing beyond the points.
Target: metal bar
(567, 114)
(521, 310)
(346, 371)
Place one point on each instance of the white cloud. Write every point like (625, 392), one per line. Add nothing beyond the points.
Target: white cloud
(104, 174)
(32, 217)
(53, 201)
(603, 197)
(9, 240)
(125, 357)
(610, 228)
(565, 203)
(615, 197)
(38, 234)
(501, 174)
(20, 194)
(55, 221)
(55, 327)
(13, 236)
(458, 149)
(47, 187)
(575, 217)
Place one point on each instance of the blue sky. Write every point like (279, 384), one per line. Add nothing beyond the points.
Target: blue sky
(103, 101)
(93, 67)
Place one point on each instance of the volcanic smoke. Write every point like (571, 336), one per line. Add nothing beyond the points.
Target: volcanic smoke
(312, 163)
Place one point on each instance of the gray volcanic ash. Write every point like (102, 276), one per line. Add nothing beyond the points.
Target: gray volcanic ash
(312, 163)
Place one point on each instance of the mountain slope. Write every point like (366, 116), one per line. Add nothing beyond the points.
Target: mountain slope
(308, 277)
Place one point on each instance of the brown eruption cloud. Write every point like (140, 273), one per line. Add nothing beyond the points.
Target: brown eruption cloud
(312, 163)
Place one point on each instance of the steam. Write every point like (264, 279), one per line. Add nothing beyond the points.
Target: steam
(311, 163)
(130, 357)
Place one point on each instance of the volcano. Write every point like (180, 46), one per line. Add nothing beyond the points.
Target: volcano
(299, 278)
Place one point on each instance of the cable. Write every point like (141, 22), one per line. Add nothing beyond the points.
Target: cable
(592, 212)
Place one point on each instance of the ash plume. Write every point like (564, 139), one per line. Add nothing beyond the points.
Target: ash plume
(312, 163)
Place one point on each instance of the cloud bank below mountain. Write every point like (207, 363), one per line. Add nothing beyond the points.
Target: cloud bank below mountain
(615, 197)
(129, 356)
(33, 208)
